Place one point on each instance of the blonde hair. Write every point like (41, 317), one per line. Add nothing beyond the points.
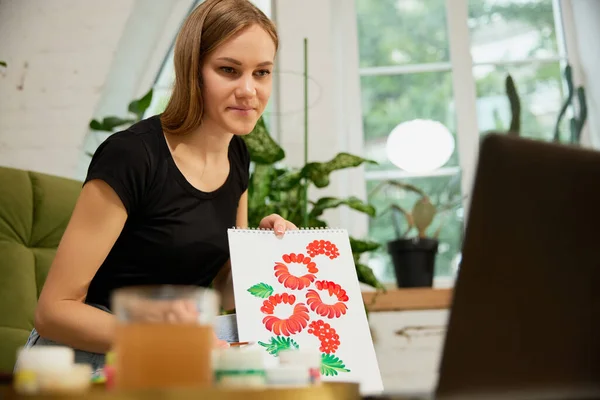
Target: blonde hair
(207, 27)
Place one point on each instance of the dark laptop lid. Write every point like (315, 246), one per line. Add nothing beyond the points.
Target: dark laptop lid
(525, 316)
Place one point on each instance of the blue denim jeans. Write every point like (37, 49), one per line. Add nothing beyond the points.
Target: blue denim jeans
(225, 328)
(96, 360)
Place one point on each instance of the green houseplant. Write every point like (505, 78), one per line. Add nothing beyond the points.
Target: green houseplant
(417, 230)
(137, 108)
(275, 188)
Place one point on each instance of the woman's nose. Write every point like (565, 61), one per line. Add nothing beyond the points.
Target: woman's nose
(246, 87)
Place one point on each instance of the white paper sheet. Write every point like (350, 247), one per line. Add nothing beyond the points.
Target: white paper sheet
(281, 296)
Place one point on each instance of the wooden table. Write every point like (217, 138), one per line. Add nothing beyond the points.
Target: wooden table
(326, 391)
(379, 302)
(408, 299)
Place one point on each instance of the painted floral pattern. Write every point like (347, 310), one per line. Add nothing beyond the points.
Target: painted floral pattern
(282, 272)
(312, 291)
(313, 299)
(330, 340)
(325, 247)
(295, 323)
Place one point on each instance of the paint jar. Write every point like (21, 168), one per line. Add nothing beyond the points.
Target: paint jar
(308, 359)
(239, 367)
(50, 369)
(164, 336)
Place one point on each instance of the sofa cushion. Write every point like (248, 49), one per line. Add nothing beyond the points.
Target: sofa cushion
(34, 211)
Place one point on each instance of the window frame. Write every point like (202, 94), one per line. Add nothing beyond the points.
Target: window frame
(461, 66)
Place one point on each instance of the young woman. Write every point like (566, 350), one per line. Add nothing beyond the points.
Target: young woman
(159, 196)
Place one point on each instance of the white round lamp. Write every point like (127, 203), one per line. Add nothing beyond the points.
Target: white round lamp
(420, 145)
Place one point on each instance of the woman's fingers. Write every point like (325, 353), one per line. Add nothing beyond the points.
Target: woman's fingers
(183, 311)
(279, 224)
(290, 226)
(218, 343)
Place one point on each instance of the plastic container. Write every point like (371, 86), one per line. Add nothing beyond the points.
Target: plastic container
(239, 367)
(288, 375)
(50, 369)
(44, 358)
(304, 358)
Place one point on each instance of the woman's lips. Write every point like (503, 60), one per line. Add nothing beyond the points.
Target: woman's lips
(241, 110)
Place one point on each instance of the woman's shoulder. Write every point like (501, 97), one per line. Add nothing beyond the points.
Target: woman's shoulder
(239, 157)
(140, 140)
(126, 160)
(149, 125)
(239, 149)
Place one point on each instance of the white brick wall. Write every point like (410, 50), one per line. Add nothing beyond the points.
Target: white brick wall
(70, 61)
(59, 53)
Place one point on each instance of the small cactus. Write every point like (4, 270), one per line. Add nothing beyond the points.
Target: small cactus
(579, 116)
(515, 107)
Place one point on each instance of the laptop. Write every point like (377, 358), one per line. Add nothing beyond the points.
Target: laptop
(525, 318)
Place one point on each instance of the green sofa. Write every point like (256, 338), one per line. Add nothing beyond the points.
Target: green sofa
(34, 211)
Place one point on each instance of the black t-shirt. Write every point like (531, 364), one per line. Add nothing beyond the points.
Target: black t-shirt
(174, 233)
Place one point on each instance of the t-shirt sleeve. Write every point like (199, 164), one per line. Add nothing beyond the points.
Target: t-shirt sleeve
(122, 161)
(242, 155)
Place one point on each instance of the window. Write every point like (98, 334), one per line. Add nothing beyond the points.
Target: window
(407, 73)
(518, 38)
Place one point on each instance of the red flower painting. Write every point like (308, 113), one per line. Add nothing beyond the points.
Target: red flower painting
(313, 299)
(312, 290)
(330, 340)
(288, 326)
(324, 247)
(293, 282)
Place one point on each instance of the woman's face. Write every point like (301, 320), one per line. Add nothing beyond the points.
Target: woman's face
(237, 81)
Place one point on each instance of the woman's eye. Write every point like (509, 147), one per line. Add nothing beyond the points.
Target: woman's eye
(263, 72)
(228, 70)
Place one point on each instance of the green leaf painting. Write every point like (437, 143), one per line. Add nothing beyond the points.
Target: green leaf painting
(261, 290)
(279, 343)
(332, 365)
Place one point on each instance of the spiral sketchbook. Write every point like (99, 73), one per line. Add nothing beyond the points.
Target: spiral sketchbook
(302, 291)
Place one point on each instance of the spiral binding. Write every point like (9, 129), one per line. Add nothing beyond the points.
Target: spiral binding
(288, 232)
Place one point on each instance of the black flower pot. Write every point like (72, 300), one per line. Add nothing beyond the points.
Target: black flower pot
(414, 261)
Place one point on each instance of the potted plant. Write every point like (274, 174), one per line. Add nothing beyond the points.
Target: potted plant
(276, 188)
(413, 251)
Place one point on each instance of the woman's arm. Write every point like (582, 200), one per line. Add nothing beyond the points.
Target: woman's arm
(61, 314)
(223, 282)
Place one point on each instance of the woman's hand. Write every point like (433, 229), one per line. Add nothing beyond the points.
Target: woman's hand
(277, 223)
(170, 311)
